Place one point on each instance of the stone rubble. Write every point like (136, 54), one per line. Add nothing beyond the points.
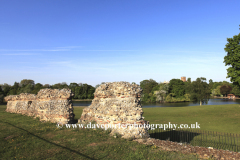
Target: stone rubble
(202, 152)
(52, 105)
(117, 103)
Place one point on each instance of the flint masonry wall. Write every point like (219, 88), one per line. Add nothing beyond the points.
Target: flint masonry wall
(117, 103)
(52, 105)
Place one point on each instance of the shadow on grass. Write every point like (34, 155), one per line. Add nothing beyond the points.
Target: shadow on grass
(51, 142)
(175, 136)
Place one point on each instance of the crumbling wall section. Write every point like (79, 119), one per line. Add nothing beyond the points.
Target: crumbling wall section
(118, 104)
(52, 105)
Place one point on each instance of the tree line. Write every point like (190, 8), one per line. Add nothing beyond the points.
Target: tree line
(178, 91)
(81, 91)
(174, 91)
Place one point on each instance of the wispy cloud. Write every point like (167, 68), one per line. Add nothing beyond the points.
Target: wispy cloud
(60, 62)
(19, 54)
(66, 48)
(108, 50)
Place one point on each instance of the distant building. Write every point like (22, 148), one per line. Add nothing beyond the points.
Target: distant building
(183, 79)
(166, 82)
(231, 96)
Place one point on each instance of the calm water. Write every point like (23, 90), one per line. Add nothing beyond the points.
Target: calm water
(183, 104)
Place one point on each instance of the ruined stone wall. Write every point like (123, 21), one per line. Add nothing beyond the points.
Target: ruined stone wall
(117, 103)
(52, 105)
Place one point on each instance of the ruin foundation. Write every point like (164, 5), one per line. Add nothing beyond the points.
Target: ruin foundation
(117, 104)
(52, 105)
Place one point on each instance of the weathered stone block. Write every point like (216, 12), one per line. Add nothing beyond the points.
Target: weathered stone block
(117, 103)
(52, 105)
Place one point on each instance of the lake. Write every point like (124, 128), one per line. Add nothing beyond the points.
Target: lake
(216, 101)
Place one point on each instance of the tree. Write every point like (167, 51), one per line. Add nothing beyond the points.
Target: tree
(37, 88)
(46, 86)
(60, 85)
(225, 89)
(176, 86)
(27, 89)
(200, 90)
(187, 86)
(147, 86)
(236, 90)
(216, 92)
(14, 89)
(211, 83)
(162, 91)
(25, 82)
(73, 85)
(232, 58)
(6, 88)
(1, 95)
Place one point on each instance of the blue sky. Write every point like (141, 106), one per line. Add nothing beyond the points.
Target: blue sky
(94, 41)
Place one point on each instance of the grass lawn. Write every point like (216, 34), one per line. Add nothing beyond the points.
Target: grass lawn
(217, 118)
(220, 118)
(23, 137)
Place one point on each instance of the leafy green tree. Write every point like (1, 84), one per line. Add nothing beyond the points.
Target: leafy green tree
(14, 89)
(225, 89)
(147, 86)
(6, 89)
(72, 86)
(37, 88)
(232, 58)
(217, 90)
(211, 84)
(27, 89)
(46, 86)
(84, 91)
(25, 82)
(1, 95)
(91, 92)
(236, 90)
(187, 86)
(162, 91)
(60, 85)
(78, 92)
(200, 90)
(177, 87)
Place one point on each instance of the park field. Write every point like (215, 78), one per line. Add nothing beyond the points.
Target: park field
(219, 118)
(23, 137)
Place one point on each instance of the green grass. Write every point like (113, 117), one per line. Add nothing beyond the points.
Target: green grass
(23, 137)
(220, 118)
(214, 118)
